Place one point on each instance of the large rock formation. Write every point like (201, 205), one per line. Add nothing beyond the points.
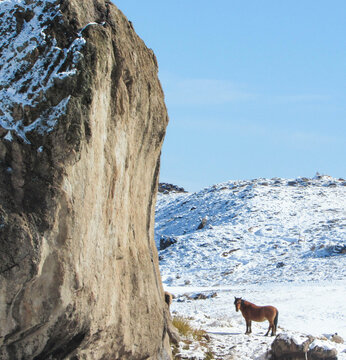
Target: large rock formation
(82, 120)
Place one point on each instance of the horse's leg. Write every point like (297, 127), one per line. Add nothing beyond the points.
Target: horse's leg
(273, 330)
(270, 327)
(248, 327)
(275, 323)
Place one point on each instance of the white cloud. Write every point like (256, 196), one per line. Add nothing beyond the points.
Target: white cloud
(206, 92)
(202, 91)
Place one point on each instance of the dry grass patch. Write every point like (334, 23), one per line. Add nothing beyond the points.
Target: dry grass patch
(186, 330)
(189, 335)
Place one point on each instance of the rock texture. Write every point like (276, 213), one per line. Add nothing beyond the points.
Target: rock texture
(286, 347)
(82, 120)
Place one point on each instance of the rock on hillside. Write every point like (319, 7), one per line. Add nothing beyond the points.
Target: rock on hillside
(82, 120)
(167, 188)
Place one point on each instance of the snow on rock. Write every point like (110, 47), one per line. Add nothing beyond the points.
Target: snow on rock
(31, 62)
(287, 346)
(321, 344)
(78, 277)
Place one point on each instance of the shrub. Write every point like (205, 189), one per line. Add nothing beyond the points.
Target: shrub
(182, 325)
(190, 335)
(186, 330)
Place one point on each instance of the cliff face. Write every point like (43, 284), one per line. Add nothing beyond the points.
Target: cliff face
(82, 120)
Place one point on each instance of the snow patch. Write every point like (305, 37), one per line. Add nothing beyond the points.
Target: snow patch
(30, 64)
(321, 344)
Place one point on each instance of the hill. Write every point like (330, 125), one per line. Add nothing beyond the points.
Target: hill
(271, 241)
(254, 231)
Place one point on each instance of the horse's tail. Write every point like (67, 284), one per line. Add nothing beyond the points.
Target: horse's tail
(276, 319)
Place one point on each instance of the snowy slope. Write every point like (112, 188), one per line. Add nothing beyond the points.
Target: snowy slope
(271, 241)
(256, 231)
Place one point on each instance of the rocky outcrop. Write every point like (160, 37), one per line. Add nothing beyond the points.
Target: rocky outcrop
(82, 120)
(166, 241)
(203, 223)
(287, 347)
(166, 188)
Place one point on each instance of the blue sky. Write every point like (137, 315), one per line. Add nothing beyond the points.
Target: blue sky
(253, 88)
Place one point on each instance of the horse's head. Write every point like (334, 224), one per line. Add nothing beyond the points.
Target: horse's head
(237, 303)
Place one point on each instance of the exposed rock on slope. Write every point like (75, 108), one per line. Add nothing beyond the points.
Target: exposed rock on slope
(168, 188)
(82, 120)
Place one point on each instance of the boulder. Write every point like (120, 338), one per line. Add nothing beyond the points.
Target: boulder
(203, 223)
(166, 241)
(201, 296)
(82, 119)
(320, 350)
(166, 188)
(289, 347)
(292, 183)
(337, 339)
(285, 347)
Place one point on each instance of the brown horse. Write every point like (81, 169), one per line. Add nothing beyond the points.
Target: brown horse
(257, 313)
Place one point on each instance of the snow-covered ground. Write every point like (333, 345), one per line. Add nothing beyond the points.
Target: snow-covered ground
(278, 242)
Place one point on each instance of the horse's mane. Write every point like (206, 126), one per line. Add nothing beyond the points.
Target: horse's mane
(246, 303)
